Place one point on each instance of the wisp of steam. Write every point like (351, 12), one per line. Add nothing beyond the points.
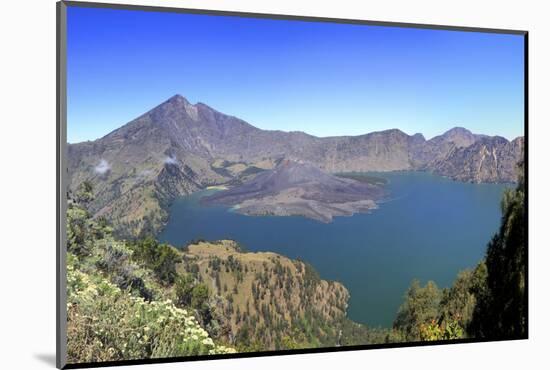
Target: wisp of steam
(170, 160)
(103, 167)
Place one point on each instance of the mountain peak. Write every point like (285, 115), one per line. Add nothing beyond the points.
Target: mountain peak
(176, 103)
(457, 131)
(419, 136)
(177, 98)
(459, 136)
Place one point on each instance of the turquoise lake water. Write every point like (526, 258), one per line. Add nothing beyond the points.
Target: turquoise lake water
(430, 228)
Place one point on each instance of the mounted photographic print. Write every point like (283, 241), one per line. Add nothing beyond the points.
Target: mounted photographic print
(234, 184)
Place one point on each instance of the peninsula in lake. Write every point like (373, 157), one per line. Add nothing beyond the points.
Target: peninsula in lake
(298, 188)
(178, 148)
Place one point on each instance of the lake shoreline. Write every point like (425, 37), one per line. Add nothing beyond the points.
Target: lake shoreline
(413, 235)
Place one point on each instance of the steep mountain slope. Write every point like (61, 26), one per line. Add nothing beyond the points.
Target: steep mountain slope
(425, 152)
(179, 147)
(488, 159)
(139, 168)
(298, 188)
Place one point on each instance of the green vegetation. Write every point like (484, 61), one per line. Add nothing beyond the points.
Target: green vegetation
(251, 170)
(502, 309)
(363, 177)
(236, 171)
(429, 313)
(107, 323)
(161, 258)
(489, 302)
(119, 296)
(266, 301)
(421, 306)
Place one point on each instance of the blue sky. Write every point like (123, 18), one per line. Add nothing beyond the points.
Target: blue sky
(322, 78)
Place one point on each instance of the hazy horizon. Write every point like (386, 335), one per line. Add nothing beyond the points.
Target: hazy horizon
(324, 79)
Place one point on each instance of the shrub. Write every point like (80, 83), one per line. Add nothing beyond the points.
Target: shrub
(444, 331)
(106, 323)
(161, 258)
(184, 288)
(421, 305)
(199, 296)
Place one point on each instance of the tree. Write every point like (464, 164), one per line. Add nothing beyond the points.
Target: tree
(421, 306)
(458, 302)
(161, 258)
(80, 228)
(79, 235)
(502, 309)
(199, 297)
(84, 194)
(184, 288)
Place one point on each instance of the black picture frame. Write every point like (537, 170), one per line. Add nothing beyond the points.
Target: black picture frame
(61, 175)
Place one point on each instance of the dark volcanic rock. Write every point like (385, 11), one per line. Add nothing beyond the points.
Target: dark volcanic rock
(297, 188)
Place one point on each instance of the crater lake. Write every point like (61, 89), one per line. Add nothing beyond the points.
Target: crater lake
(430, 228)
